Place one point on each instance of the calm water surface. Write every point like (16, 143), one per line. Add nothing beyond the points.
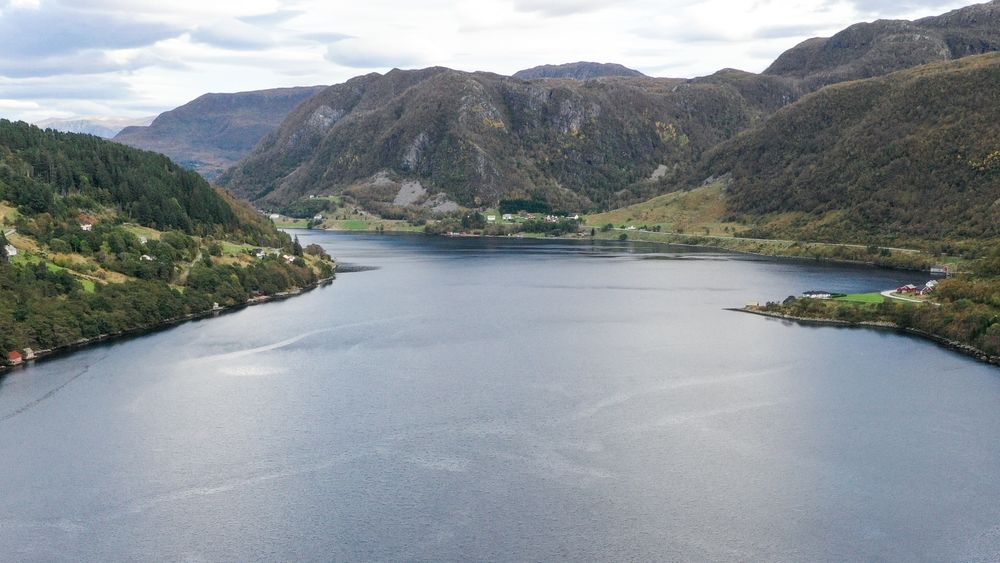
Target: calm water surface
(509, 400)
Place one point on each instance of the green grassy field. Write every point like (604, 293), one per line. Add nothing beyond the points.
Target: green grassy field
(151, 234)
(233, 248)
(371, 225)
(351, 225)
(867, 298)
(88, 285)
(289, 223)
(24, 258)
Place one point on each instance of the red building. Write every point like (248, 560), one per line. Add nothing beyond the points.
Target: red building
(14, 358)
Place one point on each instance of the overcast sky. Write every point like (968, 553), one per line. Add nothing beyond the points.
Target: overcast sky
(63, 58)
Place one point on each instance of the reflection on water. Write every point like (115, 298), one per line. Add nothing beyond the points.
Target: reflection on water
(505, 399)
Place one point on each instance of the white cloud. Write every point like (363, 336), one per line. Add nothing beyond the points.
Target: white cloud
(133, 57)
(233, 34)
(561, 7)
(378, 53)
(18, 104)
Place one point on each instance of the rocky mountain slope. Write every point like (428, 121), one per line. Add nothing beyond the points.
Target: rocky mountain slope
(873, 49)
(215, 131)
(484, 137)
(577, 71)
(477, 138)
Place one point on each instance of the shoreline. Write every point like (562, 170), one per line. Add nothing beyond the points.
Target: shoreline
(66, 349)
(706, 245)
(964, 349)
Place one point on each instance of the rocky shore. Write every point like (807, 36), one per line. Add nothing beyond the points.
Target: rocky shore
(880, 325)
(39, 355)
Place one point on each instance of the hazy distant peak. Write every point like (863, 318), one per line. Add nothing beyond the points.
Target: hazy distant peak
(101, 126)
(577, 71)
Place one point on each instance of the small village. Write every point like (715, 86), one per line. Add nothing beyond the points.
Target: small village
(910, 293)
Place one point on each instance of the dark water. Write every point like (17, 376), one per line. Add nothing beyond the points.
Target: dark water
(509, 400)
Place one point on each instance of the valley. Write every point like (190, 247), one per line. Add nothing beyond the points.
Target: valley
(390, 281)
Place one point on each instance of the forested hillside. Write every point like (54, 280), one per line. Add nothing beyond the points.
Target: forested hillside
(47, 172)
(98, 238)
(915, 154)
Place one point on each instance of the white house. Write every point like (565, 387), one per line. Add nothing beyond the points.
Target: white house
(491, 218)
(146, 258)
(274, 216)
(10, 250)
(318, 217)
(508, 217)
(928, 287)
(143, 240)
(87, 226)
(817, 294)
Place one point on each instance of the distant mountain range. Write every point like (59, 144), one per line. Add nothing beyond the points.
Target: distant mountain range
(576, 71)
(105, 127)
(599, 136)
(215, 131)
(581, 144)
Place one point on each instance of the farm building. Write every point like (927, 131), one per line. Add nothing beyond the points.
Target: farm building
(817, 294)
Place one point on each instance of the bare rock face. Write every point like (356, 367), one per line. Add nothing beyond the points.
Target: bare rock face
(410, 192)
(411, 158)
(324, 118)
(385, 192)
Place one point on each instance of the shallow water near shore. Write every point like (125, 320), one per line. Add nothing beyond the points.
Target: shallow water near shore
(495, 399)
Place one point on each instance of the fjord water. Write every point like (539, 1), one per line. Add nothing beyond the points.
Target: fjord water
(509, 400)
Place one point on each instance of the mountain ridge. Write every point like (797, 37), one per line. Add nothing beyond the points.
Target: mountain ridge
(216, 130)
(915, 153)
(869, 49)
(582, 70)
(584, 144)
(487, 136)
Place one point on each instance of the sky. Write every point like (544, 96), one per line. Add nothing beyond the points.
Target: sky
(64, 58)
